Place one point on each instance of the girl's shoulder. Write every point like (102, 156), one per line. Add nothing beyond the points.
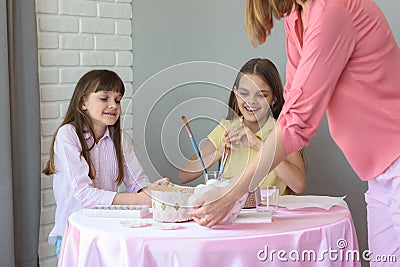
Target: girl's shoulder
(67, 132)
(220, 129)
(67, 129)
(223, 125)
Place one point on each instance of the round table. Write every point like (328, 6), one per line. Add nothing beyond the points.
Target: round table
(306, 237)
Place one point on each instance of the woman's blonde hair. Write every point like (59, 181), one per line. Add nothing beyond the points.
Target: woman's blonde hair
(260, 17)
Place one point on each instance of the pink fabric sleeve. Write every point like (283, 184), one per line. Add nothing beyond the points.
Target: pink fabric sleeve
(327, 46)
(68, 149)
(293, 56)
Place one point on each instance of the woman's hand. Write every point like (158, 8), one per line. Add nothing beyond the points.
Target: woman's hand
(212, 206)
(240, 133)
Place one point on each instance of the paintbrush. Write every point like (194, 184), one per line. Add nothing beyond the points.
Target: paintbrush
(196, 148)
(224, 157)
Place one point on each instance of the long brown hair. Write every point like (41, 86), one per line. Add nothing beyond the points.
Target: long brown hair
(266, 70)
(260, 17)
(92, 81)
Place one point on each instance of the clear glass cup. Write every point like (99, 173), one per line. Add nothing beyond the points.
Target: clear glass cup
(212, 175)
(267, 199)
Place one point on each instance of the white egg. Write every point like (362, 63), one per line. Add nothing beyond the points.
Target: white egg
(211, 181)
(199, 190)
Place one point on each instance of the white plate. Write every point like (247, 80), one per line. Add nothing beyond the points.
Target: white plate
(134, 223)
(167, 226)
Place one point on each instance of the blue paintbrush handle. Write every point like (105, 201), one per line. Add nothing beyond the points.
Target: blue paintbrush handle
(223, 161)
(196, 149)
(221, 166)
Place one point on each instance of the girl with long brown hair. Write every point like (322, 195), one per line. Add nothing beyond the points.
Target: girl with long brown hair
(255, 103)
(90, 156)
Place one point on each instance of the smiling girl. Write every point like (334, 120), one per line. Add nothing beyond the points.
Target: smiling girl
(254, 104)
(90, 156)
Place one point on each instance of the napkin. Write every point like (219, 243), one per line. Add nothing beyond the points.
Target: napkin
(253, 217)
(298, 202)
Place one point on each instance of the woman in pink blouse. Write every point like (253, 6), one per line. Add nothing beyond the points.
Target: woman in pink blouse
(342, 59)
(90, 156)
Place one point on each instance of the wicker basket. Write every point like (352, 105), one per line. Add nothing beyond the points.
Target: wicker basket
(170, 204)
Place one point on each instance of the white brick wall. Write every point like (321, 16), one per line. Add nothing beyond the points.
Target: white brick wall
(75, 36)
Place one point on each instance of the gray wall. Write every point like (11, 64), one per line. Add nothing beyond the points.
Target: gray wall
(166, 33)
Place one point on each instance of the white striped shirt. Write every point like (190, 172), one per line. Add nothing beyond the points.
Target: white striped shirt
(74, 190)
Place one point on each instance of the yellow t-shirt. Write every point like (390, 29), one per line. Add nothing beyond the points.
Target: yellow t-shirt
(239, 159)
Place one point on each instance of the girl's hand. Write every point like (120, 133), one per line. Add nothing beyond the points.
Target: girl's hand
(145, 194)
(225, 141)
(162, 182)
(240, 133)
(251, 140)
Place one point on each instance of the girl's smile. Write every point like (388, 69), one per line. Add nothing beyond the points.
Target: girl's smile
(251, 109)
(254, 97)
(111, 113)
(104, 109)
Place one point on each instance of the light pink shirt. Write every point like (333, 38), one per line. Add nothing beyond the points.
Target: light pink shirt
(348, 65)
(72, 186)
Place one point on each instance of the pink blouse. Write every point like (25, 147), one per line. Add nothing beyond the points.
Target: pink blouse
(346, 62)
(74, 190)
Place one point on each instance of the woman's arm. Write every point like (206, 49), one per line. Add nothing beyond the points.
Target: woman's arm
(292, 171)
(192, 169)
(215, 204)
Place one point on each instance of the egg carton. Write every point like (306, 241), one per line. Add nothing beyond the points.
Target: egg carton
(117, 211)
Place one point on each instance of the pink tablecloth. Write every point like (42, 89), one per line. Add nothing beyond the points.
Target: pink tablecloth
(308, 237)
